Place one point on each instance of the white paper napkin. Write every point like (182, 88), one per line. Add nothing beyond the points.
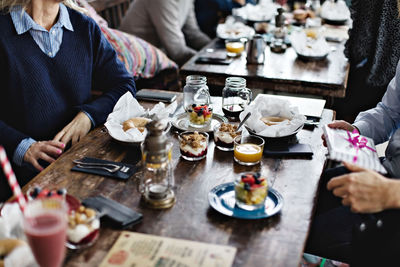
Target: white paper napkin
(128, 107)
(264, 106)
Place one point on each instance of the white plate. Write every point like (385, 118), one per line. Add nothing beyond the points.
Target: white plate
(181, 122)
(234, 31)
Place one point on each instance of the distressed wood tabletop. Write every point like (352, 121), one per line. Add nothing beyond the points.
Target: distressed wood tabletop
(282, 72)
(275, 241)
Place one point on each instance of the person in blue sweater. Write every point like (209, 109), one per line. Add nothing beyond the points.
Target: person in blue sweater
(51, 57)
(210, 12)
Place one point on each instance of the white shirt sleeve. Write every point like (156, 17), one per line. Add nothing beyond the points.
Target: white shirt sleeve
(380, 122)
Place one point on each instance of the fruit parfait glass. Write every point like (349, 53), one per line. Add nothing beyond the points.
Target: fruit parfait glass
(200, 115)
(251, 190)
(193, 145)
(37, 192)
(83, 227)
(248, 150)
(224, 134)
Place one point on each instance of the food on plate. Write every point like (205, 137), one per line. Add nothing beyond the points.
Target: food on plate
(224, 134)
(7, 246)
(138, 122)
(193, 145)
(274, 120)
(83, 227)
(200, 115)
(250, 191)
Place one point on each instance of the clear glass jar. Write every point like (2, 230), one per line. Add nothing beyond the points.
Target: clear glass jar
(235, 96)
(197, 101)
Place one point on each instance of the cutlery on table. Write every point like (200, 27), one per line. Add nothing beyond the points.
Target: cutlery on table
(112, 168)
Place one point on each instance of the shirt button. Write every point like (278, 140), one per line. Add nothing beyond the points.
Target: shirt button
(49, 53)
(53, 32)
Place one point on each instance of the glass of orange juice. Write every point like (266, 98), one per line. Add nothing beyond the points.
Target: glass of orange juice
(248, 150)
(234, 48)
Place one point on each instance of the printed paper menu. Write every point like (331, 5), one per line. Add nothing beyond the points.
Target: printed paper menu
(135, 249)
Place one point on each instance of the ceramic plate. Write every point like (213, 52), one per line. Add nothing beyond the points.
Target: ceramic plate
(181, 122)
(222, 199)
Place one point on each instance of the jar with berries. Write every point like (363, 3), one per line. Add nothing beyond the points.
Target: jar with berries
(197, 101)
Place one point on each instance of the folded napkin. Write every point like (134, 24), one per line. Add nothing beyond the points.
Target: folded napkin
(117, 175)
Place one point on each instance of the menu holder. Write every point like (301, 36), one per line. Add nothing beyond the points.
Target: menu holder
(352, 147)
(136, 249)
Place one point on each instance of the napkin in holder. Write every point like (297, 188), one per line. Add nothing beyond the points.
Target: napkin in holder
(117, 175)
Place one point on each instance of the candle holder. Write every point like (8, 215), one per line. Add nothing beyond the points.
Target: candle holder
(157, 178)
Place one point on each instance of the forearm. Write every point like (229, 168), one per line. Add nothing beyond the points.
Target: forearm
(393, 194)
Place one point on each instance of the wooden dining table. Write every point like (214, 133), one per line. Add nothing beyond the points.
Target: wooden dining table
(275, 241)
(281, 72)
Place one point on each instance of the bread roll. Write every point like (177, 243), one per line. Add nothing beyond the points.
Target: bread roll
(139, 123)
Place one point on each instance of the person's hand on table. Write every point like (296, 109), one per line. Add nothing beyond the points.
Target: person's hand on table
(365, 191)
(75, 130)
(45, 150)
(344, 125)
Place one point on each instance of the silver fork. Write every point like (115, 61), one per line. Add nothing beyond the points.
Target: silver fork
(106, 166)
(109, 169)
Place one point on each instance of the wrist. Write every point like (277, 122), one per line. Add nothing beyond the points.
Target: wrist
(392, 194)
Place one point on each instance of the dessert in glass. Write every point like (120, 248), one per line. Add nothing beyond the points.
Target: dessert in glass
(248, 150)
(45, 226)
(193, 145)
(39, 193)
(224, 134)
(197, 101)
(251, 191)
(200, 115)
(83, 228)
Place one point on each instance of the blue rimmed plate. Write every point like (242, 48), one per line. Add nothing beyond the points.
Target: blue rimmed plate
(222, 199)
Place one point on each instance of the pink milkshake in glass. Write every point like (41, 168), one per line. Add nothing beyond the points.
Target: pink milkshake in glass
(45, 224)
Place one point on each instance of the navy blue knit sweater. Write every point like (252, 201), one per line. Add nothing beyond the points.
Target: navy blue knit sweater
(40, 95)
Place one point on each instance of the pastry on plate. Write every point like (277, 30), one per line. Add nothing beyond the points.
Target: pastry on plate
(138, 122)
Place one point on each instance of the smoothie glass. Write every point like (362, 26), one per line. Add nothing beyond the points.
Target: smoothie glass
(45, 225)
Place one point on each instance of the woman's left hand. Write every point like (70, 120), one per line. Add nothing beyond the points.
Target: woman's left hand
(75, 130)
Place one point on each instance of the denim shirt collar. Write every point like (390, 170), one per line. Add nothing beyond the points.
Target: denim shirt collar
(23, 22)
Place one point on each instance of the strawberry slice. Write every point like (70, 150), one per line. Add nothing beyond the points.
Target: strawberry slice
(254, 186)
(248, 180)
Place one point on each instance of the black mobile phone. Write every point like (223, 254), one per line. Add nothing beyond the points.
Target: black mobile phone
(115, 214)
(155, 96)
(213, 60)
(297, 150)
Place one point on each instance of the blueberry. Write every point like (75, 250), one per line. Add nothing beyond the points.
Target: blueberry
(247, 187)
(36, 191)
(49, 194)
(244, 176)
(200, 113)
(194, 105)
(190, 110)
(257, 175)
(257, 181)
(62, 191)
